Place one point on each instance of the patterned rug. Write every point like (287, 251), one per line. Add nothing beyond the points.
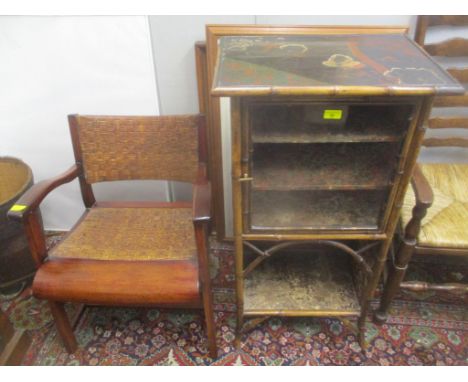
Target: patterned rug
(424, 329)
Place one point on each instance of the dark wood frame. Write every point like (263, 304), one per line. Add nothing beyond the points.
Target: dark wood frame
(201, 206)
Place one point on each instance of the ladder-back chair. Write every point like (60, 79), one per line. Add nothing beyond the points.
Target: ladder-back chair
(435, 209)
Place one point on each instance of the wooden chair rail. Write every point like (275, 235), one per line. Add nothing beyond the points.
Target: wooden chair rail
(454, 47)
(420, 286)
(437, 251)
(448, 101)
(461, 74)
(446, 142)
(454, 20)
(164, 284)
(458, 122)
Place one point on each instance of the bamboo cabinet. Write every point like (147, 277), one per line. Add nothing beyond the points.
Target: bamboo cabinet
(326, 128)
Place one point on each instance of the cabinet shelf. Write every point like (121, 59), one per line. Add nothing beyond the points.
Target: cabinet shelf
(313, 284)
(300, 210)
(287, 124)
(322, 134)
(360, 166)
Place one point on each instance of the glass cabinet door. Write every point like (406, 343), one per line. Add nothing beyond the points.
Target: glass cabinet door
(322, 166)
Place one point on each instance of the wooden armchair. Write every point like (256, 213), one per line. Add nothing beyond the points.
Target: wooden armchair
(435, 209)
(127, 253)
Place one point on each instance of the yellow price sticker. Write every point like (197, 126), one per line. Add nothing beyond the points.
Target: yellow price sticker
(18, 207)
(332, 114)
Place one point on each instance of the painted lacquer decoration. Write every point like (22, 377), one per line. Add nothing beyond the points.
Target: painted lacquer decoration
(341, 61)
(336, 61)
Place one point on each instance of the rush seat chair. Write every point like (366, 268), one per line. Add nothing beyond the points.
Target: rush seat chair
(435, 210)
(127, 253)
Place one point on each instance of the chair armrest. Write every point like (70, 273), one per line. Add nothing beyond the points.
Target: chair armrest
(31, 199)
(202, 196)
(422, 188)
(424, 199)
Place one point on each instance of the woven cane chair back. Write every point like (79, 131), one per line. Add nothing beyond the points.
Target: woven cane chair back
(136, 148)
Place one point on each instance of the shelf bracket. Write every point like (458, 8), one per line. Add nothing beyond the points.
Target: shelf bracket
(345, 248)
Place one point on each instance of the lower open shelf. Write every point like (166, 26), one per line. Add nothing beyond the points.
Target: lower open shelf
(302, 284)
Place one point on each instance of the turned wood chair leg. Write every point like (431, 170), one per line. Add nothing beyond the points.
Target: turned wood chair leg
(395, 277)
(63, 325)
(400, 262)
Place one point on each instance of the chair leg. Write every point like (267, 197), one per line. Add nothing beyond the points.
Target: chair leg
(402, 258)
(63, 325)
(210, 323)
(396, 274)
(201, 238)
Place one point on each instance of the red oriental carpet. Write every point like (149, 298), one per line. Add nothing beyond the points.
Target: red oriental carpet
(423, 329)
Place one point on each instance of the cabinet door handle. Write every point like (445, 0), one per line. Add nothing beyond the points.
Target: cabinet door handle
(245, 178)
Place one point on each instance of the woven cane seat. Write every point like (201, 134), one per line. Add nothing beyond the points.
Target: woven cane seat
(137, 256)
(446, 221)
(131, 234)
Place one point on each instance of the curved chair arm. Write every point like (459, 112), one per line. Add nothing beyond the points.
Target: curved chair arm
(422, 188)
(202, 196)
(424, 199)
(25, 211)
(31, 199)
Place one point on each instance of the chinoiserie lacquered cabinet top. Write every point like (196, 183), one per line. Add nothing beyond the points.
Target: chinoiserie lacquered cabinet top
(327, 64)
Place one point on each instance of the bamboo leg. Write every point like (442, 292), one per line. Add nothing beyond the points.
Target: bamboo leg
(369, 291)
(237, 212)
(63, 326)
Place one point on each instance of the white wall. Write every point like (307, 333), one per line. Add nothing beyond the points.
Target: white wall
(173, 39)
(54, 66)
